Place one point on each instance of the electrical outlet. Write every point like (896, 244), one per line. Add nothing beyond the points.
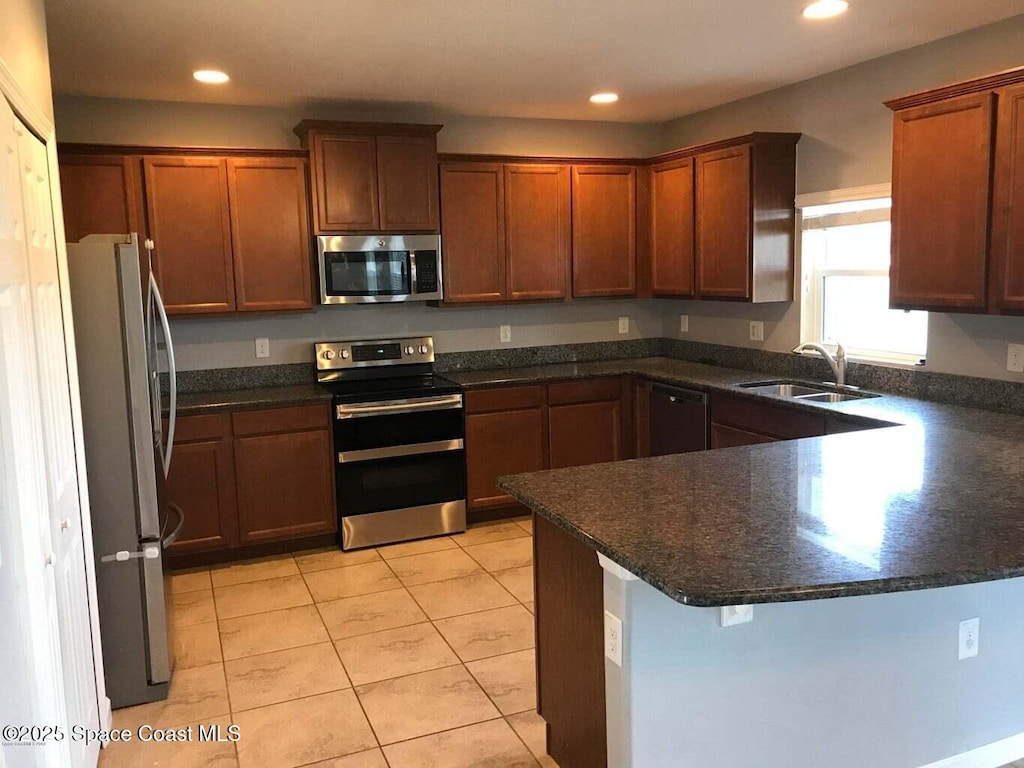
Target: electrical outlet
(756, 330)
(684, 323)
(1015, 358)
(623, 325)
(262, 347)
(505, 334)
(613, 638)
(969, 636)
(732, 615)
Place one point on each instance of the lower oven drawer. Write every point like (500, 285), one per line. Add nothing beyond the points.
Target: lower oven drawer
(378, 484)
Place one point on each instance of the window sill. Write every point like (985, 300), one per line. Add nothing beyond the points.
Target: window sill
(906, 362)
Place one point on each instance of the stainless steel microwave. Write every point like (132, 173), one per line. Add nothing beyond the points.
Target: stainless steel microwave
(367, 269)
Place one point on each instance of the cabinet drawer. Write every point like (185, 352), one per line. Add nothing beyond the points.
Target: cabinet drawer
(205, 427)
(271, 420)
(503, 399)
(729, 437)
(781, 423)
(591, 391)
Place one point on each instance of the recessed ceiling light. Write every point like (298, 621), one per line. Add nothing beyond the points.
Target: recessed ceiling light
(210, 76)
(825, 9)
(607, 97)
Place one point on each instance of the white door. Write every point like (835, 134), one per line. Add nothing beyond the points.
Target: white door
(64, 503)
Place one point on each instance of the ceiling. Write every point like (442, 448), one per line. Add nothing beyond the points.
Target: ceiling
(515, 58)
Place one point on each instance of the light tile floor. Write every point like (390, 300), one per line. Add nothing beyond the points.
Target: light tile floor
(407, 656)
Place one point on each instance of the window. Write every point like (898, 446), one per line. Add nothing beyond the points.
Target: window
(846, 252)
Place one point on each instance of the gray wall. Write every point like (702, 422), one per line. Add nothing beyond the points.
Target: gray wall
(847, 142)
(850, 682)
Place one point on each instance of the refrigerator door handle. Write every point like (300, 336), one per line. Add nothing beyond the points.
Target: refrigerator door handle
(171, 371)
(171, 537)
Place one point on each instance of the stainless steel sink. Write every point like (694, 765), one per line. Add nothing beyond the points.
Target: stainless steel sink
(799, 390)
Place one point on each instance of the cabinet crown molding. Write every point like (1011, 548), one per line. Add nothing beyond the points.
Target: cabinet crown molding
(963, 88)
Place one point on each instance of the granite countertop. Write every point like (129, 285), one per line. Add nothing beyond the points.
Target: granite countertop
(198, 403)
(932, 501)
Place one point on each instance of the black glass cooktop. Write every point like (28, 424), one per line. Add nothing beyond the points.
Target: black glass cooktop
(367, 390)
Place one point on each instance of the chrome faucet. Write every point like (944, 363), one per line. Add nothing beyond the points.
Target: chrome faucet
(837, 363)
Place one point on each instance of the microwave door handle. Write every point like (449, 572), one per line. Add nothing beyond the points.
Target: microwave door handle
(172, 373)
(412, 272)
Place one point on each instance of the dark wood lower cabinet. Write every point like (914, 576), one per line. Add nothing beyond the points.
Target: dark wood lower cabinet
(252, 478)
(202, 484)
(730, 437)
(506, 433)
(569, 605)
(284, 470)
(587, 422)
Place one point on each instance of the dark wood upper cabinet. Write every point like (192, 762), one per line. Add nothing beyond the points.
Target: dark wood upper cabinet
(672, 228)
(1006, 292)
(202, 484)
(506, 433)
(537, 231)
(407, 183)
(101, 195)
(189, 221)
(345, 183)
(723, 224)
(745, 220)
(603, 230)
(473, 232)
(942, 160)
(270, 234)
(284, 468)
(587, 423)
(372, 177)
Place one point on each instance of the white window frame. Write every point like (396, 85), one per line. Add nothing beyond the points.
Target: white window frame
(813, 274)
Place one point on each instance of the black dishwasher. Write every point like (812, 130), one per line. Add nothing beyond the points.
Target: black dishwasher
(679, 420)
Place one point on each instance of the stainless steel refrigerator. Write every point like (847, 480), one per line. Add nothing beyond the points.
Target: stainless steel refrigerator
(119, 324)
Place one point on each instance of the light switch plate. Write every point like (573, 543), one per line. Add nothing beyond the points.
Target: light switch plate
(613, 638)
(505, 334)
(1015, 358)
(756, 330)
(262, 347)
(731, 615)
(684, 323)
(623, 325)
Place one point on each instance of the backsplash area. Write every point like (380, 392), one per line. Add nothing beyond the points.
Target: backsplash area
(990, 394)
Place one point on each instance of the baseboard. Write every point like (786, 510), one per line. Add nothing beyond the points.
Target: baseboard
(994, 755)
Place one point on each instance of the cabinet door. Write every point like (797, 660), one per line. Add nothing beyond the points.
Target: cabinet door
(586, 423)
(407, 182)
(472, 232)
(723, 224)
(284, 469)
(942, 155)
(345, 181)
(603, 230)
(502, 443)
(537, 231)
(100, 195)
(270, 234)
(730, 437)
(202, 484)
(187, 205)
(672, 249)
(1006, 292)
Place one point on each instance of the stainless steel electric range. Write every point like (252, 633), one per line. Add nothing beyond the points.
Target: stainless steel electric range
(398, 441)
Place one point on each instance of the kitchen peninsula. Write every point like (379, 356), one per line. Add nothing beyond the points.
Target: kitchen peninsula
(862, 553)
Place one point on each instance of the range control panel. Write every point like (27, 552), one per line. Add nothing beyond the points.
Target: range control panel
(342, 355)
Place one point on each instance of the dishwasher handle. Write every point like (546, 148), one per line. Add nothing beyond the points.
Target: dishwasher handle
(676, 394)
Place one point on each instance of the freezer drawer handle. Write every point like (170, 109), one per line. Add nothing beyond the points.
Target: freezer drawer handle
(149, 553)
(394, 451)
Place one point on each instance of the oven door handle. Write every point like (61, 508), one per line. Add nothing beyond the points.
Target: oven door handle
(394, 451)
(398, 406)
